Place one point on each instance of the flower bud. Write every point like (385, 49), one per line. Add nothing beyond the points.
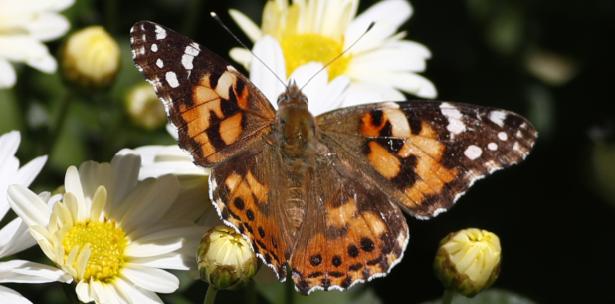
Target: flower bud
(468, 260)
(225, 259)
(144, 108)
(91, 57)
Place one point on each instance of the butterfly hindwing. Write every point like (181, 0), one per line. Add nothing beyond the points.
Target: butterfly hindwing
(216, 110)
(426, 154)
(352, 232)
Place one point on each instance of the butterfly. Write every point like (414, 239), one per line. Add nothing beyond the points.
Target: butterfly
(322, 197)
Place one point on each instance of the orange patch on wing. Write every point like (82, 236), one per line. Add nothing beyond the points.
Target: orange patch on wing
(387, 164)
(368, 128)
(338, 217)
(259, 190)
(231, 128)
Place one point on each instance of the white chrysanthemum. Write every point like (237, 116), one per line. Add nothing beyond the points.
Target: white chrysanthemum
(379, 65)
(112, 233)
(14, 236)
(24, 26)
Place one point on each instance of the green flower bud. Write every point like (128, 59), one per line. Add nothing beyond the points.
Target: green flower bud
(468, 261)
(91, 57)
(225, 259)
(144, 108)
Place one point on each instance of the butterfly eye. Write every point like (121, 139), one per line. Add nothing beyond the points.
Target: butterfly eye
(283, 98)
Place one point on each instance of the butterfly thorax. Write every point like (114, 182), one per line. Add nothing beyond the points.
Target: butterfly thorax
(296, 126)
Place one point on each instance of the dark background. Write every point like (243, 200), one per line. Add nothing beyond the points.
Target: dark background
(554, 213)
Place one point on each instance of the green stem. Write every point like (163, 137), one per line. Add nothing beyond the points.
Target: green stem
(210, 297)
(59, 122)
(290, 288)
(251, 296)
(448, 296)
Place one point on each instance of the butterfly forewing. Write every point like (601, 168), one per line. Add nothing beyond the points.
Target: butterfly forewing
(424, 155)
(216, 110)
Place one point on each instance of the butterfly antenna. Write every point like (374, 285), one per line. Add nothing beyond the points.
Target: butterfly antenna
(221, 23)
(369, 28)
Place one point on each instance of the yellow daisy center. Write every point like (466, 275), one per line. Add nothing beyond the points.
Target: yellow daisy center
(107, 243)
(300, 49)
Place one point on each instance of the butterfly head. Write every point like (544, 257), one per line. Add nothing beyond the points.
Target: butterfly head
(292, 97)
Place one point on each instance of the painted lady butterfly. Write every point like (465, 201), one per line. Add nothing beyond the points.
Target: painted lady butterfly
(323, 195)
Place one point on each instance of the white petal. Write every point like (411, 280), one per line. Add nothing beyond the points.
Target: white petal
(149, 201)
(48, 26)
(28, 206)
(29, 171)
(410, 83)
(83, 292)
(134, 294)
(9, 143)
(14, 238)
(387, 17)
(241, 55)
(385, 59)
(163, 242)
(363, 93)
(98, 203)
(247, 26)
(168, 261)
(20, 271)
(125, 177)
(332, 96)
(152, 279)
(8, 295)
(22, 48)
(270, 52)
(103, 293)
(72, 184)
(7, 74)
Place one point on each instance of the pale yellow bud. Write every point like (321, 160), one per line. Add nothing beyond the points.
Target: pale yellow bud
(144, 108)
(468, 261)
(225, 259)
(91, 57)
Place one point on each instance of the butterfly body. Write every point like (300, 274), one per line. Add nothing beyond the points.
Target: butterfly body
(322, 195)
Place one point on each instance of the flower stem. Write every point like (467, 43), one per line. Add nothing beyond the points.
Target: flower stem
(290, 289)
(251, 296)
(448, 296)
(210, 297)
(59, 122)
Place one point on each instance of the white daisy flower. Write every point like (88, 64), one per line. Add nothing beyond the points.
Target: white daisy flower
(112, 233)
(14, 236)
(380, 65)
(24, 26)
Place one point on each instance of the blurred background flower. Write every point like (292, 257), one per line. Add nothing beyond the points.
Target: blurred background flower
(111, 233)
(24, 26)
(91, 57)
(144, 108)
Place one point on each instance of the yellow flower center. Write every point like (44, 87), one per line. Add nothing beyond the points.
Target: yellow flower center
(107, 243)
(300, 49)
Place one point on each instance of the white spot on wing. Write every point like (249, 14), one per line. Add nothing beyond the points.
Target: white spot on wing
(172, 79)
(455, 125)
(498, 117)
(154, 48)
(159, 63)
(187, 61)
(492, 146)
(160, 32)
(503, 136)
(473, 152)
